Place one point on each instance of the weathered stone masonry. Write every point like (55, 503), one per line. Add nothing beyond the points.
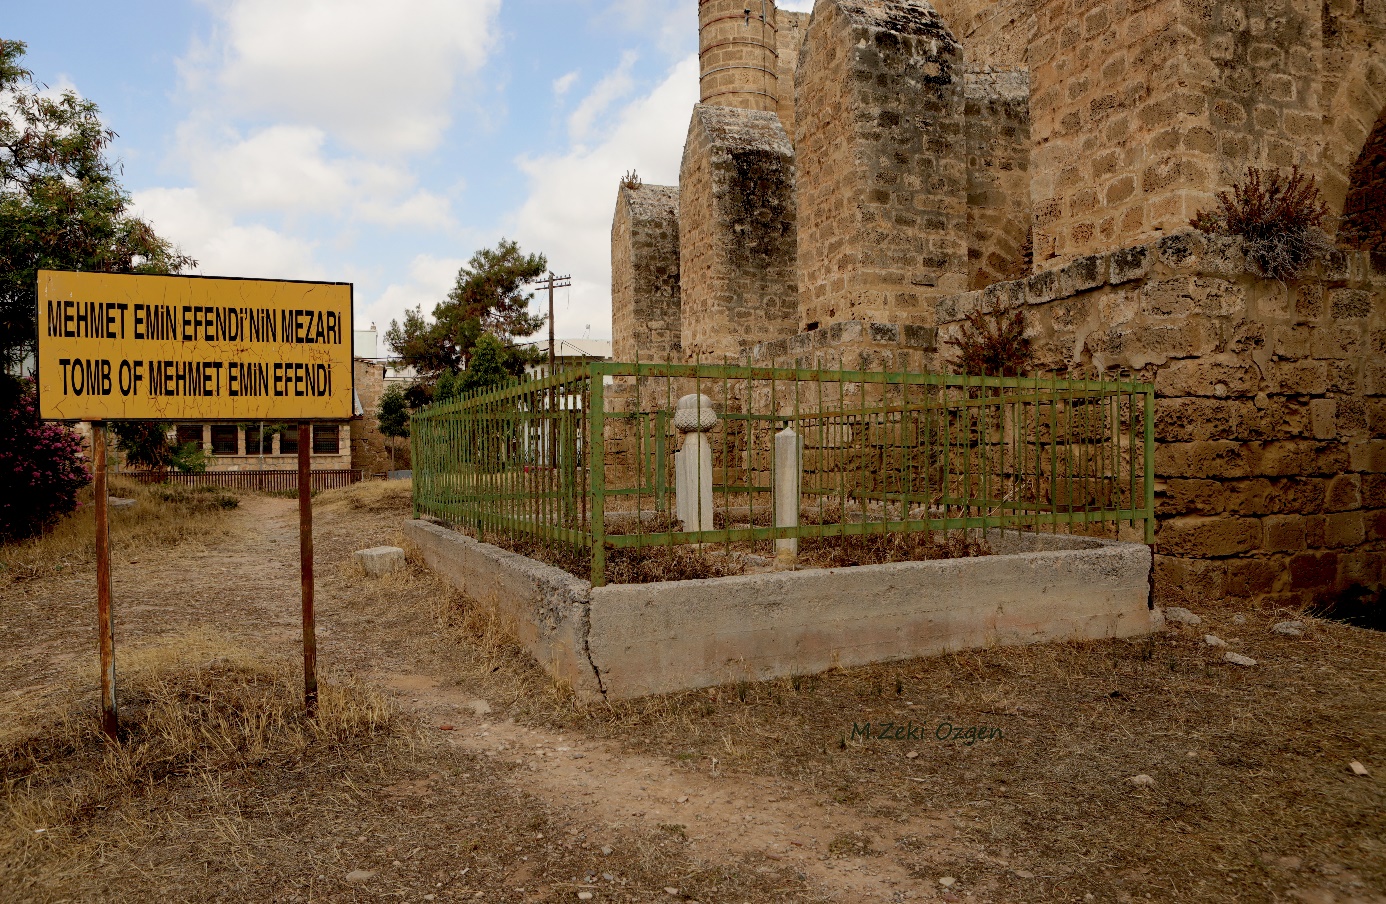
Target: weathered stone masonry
(1270, 412)
(736, 232)
(645, 296)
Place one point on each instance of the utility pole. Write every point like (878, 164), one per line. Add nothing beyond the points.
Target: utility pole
(552, 282)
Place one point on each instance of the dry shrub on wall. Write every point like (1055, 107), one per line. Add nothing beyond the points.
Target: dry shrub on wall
(993, 345)
(1279, 217)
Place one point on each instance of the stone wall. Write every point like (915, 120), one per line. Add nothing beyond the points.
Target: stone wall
(789, 38)
(995, 33)
(998, 175)
(645, 300)
(736, 50)
(737, 232)
(1270, 411)
(370, 449)
(853, 345)
(881, 163)
(1141, 112)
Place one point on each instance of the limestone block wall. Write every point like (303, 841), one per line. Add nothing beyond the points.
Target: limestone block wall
(1141, 112)
(1270, 412)
(853, 345)
(737, 52)
(370, 451)
(737, 232)
(995, 33)
(645, 299)
(998, 174)
(789, 38)
(881, 163)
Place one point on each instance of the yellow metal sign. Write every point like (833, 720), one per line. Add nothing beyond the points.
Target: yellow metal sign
(116, 347)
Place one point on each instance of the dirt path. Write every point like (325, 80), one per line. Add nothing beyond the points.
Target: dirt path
(242, 582)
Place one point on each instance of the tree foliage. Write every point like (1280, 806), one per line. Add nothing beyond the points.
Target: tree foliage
(490, 296)
(61, 204)
(146, 444)
(492, 366)
(41, 465)
(393, 413)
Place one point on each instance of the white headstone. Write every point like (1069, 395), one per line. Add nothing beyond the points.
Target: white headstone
(789, 454)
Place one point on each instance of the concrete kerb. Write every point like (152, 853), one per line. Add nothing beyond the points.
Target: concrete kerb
(546, 608)
(625, 641)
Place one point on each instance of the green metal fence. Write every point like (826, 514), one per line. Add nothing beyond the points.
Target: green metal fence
(585, 459)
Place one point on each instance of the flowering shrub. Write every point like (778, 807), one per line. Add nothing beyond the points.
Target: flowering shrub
(42, 466)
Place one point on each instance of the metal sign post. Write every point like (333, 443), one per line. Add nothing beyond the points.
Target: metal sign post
(105, 625)
(305, 560)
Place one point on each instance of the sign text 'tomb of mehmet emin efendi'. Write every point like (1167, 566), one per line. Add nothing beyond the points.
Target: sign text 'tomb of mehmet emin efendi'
(120, 347)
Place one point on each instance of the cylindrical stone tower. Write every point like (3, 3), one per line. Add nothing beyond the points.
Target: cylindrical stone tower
(736, 47)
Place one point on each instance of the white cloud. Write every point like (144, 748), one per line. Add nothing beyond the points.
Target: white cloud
(221, 246)
(376, 76)
(286, 169)
(567, 214)
(563, 84)
(610, 89)
(430, 278)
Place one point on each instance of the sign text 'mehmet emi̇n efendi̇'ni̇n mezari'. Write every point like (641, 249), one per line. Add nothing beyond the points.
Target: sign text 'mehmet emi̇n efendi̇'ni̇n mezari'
(121, 347)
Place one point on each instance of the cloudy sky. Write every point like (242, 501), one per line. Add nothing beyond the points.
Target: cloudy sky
(381, 143)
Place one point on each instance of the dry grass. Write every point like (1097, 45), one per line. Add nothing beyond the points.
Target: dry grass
(1250, 765)
(194, 712)
(878, 549)
(163, 516)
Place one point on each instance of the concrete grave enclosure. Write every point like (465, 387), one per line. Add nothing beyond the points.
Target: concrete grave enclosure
(858, 179)
(628, 640)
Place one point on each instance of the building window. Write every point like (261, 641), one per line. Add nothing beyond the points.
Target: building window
(327, 440)
(225, 439)
(190, 433)
(288, 440)
(258, 442)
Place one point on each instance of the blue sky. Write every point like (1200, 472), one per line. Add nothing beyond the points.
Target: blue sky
(382, 143)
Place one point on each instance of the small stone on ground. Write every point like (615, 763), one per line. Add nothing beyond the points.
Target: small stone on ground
(1141, 780)
(1239, 659)
(1290, 628)
(1213, 640)
(480, 707)
(1357, 768)
(359, 875)
(380, 560)
(1182, 616)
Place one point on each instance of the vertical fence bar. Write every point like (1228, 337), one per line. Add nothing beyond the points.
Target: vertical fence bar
(1148, 453)
(597, 451)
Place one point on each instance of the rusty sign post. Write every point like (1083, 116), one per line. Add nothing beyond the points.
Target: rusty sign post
(186, 348)
(305, 568)
(105, 624)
